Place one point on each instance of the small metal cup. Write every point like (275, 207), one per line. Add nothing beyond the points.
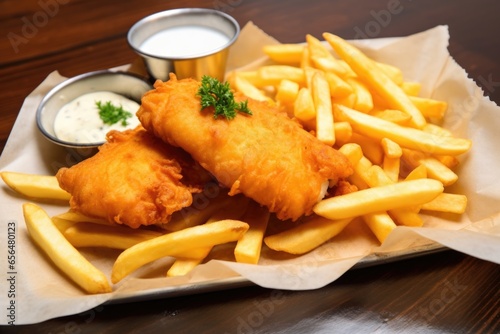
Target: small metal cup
(211, 62)
(123, 83)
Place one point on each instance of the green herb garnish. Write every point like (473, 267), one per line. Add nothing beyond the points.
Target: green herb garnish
(216, 94)
(111, 114)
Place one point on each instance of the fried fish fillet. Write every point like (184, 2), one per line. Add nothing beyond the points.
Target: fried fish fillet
(135, 179)
(266, 156)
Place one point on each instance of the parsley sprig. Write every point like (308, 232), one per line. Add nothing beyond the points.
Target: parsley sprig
(111, 114)
(216, 94)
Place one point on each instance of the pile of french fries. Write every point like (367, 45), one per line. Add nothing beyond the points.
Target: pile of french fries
(402, 160)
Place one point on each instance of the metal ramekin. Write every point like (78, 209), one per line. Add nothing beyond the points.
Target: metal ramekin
(123, 83)
(212, 62)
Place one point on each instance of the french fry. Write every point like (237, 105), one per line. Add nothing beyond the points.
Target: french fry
(392, 158)
(407, 217)
(437, 130)
(411, 88)
(174, 243)
(419, 172)
(247, 88)
(316, 48)
(288, 54)
(309, 72)
(364, 100)
(116, 237)
(46, 235)
(78, 217)
(380, 223)
(253, 78)
(361, 164)
(448, 160)
(348, 100)
(322, 58)
(325, 130)
(248, 248)
(306, 236)
(353, 153)
(185, 263)
(435, 169)
(390, 148)
(439, 171)
(375, 176)
(339, 88)
(182, 266)
(371, 147)
(430, 108)
(273, 74)
(62, 224)
(391, 115)
(379, 103)
(393, 72)
(35, 186)
(406, 137)
(370, 73)
(368, 175)
(383, 198)
(303, 107)
(329, 64)
(446, 202)
(305, 61)
(287, 92)
(391, 167)
(358, 181)
(343, 131)
(350, 72)
(96, 235)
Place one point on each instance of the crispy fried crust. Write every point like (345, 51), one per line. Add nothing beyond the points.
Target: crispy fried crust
(265, 156)
(135, 179)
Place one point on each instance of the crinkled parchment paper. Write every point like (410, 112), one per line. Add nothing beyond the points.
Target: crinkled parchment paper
(42, 292)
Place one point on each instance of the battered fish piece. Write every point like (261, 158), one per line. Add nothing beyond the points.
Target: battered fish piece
(135, 179)
(266, 156)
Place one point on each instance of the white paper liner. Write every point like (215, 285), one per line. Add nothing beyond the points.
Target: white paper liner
(42, 292)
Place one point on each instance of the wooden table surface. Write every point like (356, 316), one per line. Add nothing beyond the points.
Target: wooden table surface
(446, 292)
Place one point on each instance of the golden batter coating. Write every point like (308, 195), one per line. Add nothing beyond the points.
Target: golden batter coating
(266, 156)
(135, 179)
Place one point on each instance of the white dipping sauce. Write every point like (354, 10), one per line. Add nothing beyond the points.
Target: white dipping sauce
(79, 122)
(182, 41)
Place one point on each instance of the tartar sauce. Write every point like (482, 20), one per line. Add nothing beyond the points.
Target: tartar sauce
(184, 41)
(78, 121)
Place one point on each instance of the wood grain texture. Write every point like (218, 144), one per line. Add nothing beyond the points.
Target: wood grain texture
(441, 293)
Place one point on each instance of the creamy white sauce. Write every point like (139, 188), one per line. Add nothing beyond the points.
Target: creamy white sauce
(324, 189)
(78, 121)
(184, 41)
